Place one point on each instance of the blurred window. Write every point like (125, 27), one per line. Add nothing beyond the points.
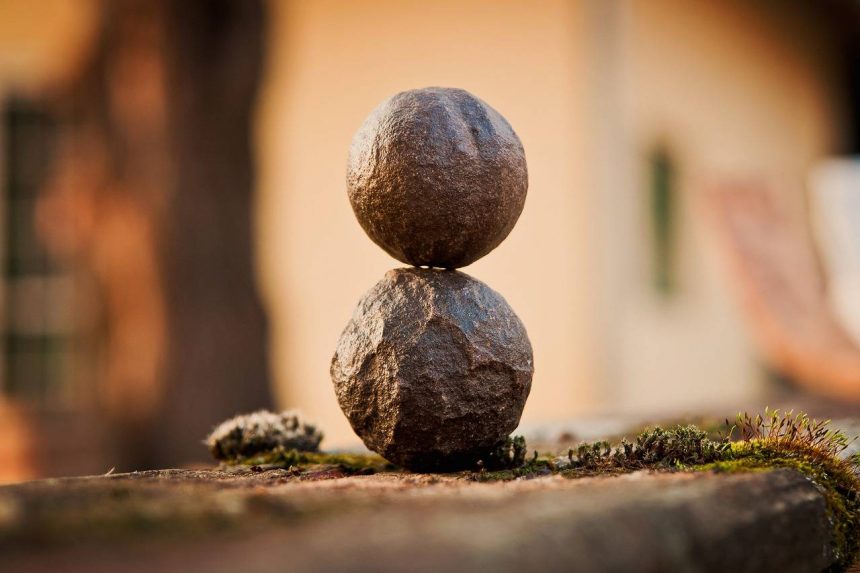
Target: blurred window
(38, 293)
(663, 211)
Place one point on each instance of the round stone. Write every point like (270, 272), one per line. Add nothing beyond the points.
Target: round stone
(436, 177)
(433, 370)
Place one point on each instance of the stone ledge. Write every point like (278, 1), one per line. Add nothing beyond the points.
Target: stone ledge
(265, 521)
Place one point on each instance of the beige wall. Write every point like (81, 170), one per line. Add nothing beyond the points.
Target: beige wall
(589, 85)
(331, 64)
(741, 92)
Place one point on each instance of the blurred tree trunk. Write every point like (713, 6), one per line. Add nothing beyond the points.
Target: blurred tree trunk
(159, 166)
(217, 362)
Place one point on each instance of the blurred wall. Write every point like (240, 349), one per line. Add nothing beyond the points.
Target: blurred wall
(738, 92)
(734, 90)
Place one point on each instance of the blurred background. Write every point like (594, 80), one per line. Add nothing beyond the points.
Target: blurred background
(176, 244)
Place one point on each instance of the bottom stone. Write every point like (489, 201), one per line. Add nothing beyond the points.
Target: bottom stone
(433, 370)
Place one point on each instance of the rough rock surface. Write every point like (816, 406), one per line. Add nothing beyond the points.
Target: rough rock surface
(433, 370)
(436, 177)
(273, 520)
(262, 431)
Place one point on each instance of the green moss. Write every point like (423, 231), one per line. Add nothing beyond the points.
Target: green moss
(761, 443)
(714, 429)
(508, 455)
(653, 448)
(506, 461)
(350, 464)
(766, 442)
(537, 466)
(834, 477)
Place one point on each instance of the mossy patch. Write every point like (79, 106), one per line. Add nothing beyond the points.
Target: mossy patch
(752, 443)
(349, 464)
(537, 466)
(835, 478)
(654, 448)
(508, 455)
(759, 443)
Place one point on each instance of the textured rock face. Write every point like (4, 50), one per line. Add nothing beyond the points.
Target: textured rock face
(436, 177)
(433, 369)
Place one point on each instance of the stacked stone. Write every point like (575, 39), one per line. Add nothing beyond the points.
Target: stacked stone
(434, 368)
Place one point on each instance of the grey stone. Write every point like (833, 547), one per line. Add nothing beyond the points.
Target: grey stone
(436, 177)
(433, 370)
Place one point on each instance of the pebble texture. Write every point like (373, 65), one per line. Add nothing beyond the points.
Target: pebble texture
(437, 177)
(433, 370)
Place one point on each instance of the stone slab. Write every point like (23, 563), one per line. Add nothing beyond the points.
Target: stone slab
(266, 521)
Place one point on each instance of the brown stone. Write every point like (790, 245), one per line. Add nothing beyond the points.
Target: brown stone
(436, 177)
(433, 370)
